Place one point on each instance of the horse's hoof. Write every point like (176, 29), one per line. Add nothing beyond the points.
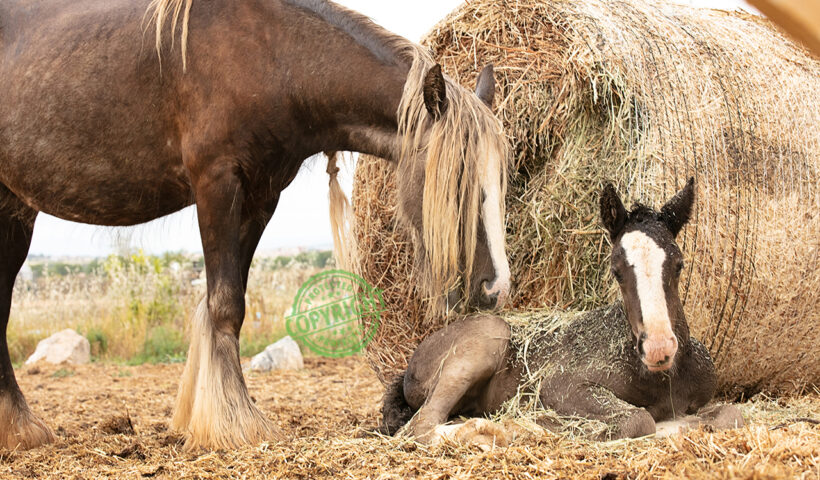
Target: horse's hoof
(20, 429)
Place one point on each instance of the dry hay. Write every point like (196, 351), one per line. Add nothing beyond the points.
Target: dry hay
(111, 422)
(535, 334)
(644, 95)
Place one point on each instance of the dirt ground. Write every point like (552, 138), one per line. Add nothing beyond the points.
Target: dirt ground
(112, 422)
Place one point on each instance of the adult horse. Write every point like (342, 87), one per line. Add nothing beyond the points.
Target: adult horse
(98, 127)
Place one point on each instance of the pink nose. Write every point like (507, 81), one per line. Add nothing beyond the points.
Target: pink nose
(498, 290)
(659, 351)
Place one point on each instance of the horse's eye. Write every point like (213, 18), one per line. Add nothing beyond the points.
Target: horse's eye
(618, 276)
(678, 268)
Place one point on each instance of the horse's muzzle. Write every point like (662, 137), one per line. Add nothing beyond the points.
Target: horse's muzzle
(495, 294)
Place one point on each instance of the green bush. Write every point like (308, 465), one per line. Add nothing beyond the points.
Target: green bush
(163, 344)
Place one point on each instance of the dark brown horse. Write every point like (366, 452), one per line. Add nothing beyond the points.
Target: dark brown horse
(98, 126)
(629, 365)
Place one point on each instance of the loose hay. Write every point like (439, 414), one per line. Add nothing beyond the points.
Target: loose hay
(325, 409)
(533, 335)
(644, 94)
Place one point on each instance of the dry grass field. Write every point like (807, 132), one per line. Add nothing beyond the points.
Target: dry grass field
(133, 308)
(111, 421)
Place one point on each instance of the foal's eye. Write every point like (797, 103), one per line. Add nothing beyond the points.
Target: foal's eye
(678, 268)
(617, 275)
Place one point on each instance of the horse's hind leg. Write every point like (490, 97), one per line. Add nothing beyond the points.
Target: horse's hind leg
(213, 405)
(19, 428)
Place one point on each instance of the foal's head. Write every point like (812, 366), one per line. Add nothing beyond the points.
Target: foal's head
(451, 185)
(647, 264)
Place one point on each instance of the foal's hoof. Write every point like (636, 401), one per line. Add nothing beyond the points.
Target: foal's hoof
(722, 417)
(21, 430)
(476, 431)
(639, 423)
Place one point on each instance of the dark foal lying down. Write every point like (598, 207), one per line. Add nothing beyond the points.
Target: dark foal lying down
(629, 365)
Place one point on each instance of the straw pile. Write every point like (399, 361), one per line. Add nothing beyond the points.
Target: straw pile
(644, 95)
(111, 421)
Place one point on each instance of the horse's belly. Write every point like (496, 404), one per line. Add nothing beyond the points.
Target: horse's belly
(99, 192)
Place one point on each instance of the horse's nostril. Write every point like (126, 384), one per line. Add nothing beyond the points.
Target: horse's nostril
(494, 292)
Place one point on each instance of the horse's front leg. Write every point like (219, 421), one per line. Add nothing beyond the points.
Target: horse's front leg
(213, 406)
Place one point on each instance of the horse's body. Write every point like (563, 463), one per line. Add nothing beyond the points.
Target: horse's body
(95, 128)
(587, 364)
(127, 130)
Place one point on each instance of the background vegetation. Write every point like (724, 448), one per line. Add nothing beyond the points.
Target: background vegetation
(134, 308)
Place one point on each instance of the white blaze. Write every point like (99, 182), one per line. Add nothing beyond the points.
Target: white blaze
(494, 227)
(646, 259)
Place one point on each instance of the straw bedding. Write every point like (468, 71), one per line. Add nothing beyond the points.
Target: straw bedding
(643, 94)
(112, 422)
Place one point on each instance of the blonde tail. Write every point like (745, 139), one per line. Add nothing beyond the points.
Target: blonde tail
(340, 217)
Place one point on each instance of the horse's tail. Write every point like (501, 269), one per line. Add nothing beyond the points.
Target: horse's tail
(396, 412)
(340, 216)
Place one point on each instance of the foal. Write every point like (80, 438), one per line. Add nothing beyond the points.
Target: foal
(629, 365)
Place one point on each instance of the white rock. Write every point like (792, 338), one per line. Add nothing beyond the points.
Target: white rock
(282, 355)
(66, 346)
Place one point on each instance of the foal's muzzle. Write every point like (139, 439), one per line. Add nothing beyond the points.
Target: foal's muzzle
(657, 351)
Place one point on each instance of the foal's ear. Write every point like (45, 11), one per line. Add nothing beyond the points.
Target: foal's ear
(485, 86)
(435, 92)
(613, 213)
(677, 210)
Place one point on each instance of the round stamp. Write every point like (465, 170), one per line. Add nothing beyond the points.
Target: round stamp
(335, 313)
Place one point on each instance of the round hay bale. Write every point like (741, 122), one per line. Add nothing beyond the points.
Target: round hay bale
(643, 95)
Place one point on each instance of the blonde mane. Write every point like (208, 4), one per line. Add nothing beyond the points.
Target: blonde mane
(159, 11)
(452, 148)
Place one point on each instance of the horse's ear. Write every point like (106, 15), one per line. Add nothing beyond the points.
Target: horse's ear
(613, 213)
(435, 92)
(485, 86)
(677, 210)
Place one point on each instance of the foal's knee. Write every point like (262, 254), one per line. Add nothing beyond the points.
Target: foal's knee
(494, 335)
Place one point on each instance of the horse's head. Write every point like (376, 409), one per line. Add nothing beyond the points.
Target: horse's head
(647, 264)
(452, 184)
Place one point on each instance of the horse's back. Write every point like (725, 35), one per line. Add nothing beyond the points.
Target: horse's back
(87, 128)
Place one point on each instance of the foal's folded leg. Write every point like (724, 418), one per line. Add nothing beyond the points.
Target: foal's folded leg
(594, 402)
(458, 375)
(721, 417)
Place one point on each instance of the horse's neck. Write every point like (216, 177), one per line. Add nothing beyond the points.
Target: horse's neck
(352, 76)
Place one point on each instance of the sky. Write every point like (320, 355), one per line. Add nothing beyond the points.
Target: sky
(301, 220)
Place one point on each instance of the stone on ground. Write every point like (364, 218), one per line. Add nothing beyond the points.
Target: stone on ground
(66, 346)
(282, 355)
